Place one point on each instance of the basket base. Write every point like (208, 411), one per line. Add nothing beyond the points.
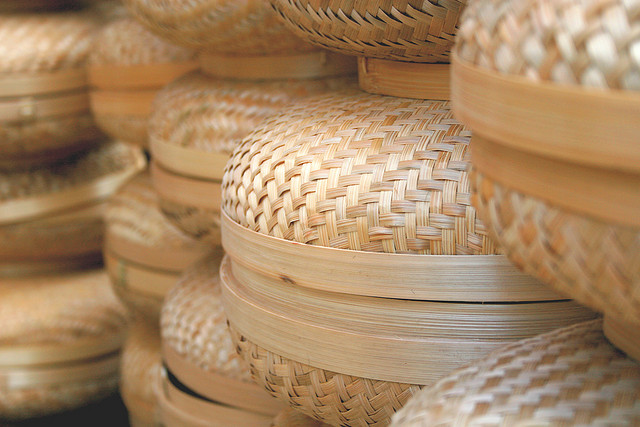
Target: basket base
(624, 335)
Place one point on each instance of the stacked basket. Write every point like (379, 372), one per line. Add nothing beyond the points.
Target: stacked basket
(62, 327)
(551, 91)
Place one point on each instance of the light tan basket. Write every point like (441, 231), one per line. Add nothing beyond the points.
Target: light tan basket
(127, 66)
(292, 418)
(568, 377)
(196, 123)
(140, 369)
(44, 104)
(197, 349)
(51, 218)
(59, 342)
(145, 255)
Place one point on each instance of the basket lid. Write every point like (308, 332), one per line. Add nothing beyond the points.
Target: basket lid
(361, 172)
(571, 376)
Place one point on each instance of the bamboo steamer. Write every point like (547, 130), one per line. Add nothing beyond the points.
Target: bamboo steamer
(145, 255)
(567, 377)
(402, 46)
(291, 418)
(195, 125)
(59, 343)
(140, 369)
(127, 66)
(559, 190)
(52, 218)
(198, 352)
(348, 226)
(44, 104)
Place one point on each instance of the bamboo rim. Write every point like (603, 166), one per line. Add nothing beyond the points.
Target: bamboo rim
(141, 413)
(189, 162)
(139, 279)
(218, 388)
(404, 79)
(15, 211)
(185, 190)
(30, 108)
(579, 125)
(15, 85)
(623, 335)
(139, 76)
(469, 278)
(136, 103)
(607, 194)
(33, 267)
(310, 65)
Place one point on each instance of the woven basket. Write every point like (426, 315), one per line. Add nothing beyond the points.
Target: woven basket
(195, 124)
(59, 343)
(568, 377)
(51, 218)
(197, 349)
(140, 369)
(292, 418)
(44, 105)
(127, 66)
(348, 226)
(549, 91)
(145, 255)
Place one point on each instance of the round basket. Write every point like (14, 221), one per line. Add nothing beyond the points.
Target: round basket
(44, 104)
(59, 343)
(127, 66)
(291, 418)
(52, 218)
(555, 141)
(568, 377)
(195, 124)
(357, 270)
(145, 255)
(140, 369)
(198, 351)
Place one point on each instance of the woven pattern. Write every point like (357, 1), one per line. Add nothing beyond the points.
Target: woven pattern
(200, 223)
(568, 377)
(404, 30)
(596, 263)
(574, 42)
(333, 398)
(245, 28)
(359, 172)
(291, 418)
(132, 129)
(193, 323)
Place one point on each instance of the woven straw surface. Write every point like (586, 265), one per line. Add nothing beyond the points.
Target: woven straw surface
(193, 323)
(291, 418)
(334, 398)
(592, 261)
(132, 129)
(405, 30)
(574, 42)
(571, 376)
(140, 370)
(249, 27)
(359, 172)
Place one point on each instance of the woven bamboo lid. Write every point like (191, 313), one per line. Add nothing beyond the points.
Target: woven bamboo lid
(571, 376)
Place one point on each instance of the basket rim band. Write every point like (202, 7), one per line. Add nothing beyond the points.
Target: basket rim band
(29, 108)
(186, 190)
(42, 83)
(137, 76)
(188, 161)
(138, 103)
(40, 266)
(623, 335)
(579, 125)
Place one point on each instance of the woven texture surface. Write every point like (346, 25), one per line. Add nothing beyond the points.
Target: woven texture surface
(249, 27)
(359, 172)
(596, 263)
(291, 418)
(574, 42)
(331, 397)
(200, 223)
(193, 323)
(405, 30)
(568, 377)
(132, 129)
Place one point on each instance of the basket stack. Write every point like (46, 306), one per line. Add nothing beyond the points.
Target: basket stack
(556, 179)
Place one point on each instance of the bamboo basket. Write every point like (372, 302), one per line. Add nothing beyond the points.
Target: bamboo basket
(59, 343)
(140, 369)
(559, 189)
(292, 418)
(127, 66)
(198, 352)
(195, 125)
(361, 204)
(402, 46)
(52, 218)
(145, 255)
(44, 104)
(568, 377)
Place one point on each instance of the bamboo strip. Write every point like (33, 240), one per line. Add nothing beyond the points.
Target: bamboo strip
(139, 279)
(186, 190)
(49, 266)
(29, 109)
(131, 103)
(42, 83)
(624, 335)
(189, 162)
(137, 76)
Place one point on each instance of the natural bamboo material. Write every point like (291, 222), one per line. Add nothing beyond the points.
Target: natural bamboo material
(291, 418)
(567, 377)
(624, 335)
(14, 6)
(60, 340)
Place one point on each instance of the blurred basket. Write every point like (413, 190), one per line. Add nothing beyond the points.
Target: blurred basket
(292, 418)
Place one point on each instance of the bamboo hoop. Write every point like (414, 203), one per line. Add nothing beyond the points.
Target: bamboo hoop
(186, 190)
(624, 336)
(137, 76)
(404, 79)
